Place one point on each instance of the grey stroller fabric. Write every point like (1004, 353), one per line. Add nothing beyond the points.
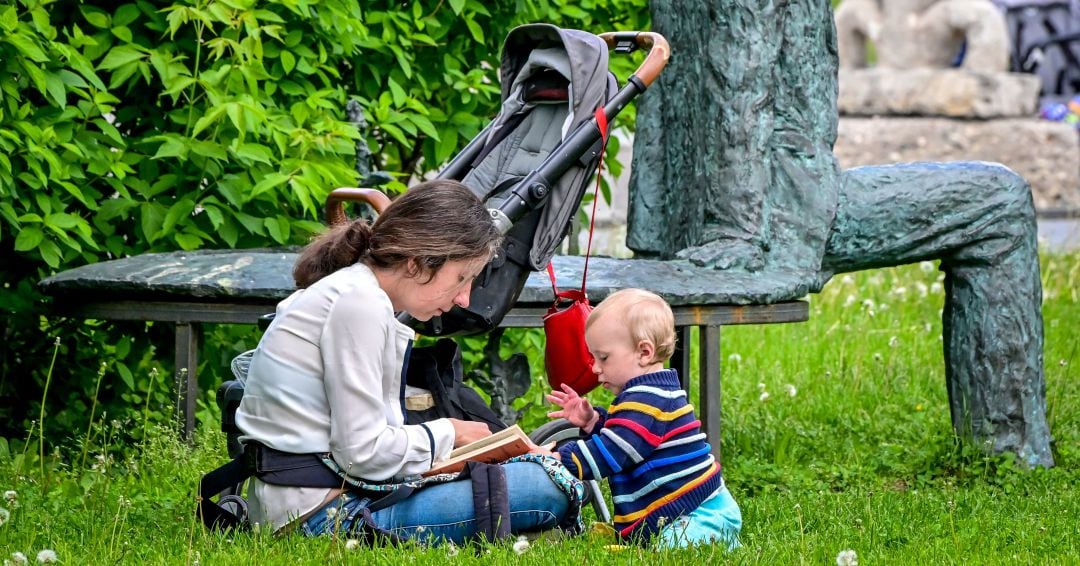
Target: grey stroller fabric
(1046, 41)
(581, 59)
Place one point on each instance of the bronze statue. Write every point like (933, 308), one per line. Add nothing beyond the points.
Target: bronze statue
(733, 168)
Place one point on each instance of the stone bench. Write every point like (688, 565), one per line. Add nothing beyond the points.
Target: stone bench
(240, 286)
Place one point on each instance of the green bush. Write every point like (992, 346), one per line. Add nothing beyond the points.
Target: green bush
(137, 127)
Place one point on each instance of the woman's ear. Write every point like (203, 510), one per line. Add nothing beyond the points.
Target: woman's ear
(646, 352)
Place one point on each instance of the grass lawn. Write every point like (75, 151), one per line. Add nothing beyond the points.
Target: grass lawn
(836, 436)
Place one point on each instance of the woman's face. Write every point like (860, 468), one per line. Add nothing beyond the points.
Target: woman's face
(451, 286)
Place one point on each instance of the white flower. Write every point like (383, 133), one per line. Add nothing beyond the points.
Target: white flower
(331, 513)
(868, 304)
(926, 266)
(764, 396)
(900, 291)
(4, 516)
(850, 300)
(922, 288)
(894, 341)
(847, 280)
(761, 386)
(352, 544)
(734, 358)
(451, 549)
(936, 288)
(877, 357)
(18, 558)
(847, 558)
(46, 556)
(791, 391)
(11, 497)
(521, 545)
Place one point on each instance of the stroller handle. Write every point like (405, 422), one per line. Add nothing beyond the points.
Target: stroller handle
(335, 210)
(627, 41)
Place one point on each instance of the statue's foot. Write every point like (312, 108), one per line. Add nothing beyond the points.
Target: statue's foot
(725, 253)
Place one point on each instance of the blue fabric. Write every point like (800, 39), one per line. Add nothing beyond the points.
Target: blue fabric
(717, 520)
(444, 512)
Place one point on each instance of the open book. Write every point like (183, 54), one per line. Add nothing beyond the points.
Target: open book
(506, 443)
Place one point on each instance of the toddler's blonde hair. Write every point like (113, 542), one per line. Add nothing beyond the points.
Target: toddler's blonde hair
(646, 315)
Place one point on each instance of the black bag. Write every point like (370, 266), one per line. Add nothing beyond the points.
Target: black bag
(437, 368)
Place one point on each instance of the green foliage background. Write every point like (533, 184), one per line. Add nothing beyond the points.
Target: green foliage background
(136, 127)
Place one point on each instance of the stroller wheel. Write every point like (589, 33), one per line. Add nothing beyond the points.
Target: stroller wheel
(236, 505)
(561, 431)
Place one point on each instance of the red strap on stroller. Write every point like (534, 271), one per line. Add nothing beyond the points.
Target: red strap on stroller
(566, 355)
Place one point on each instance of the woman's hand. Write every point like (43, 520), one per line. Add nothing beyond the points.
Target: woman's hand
(468, 431)
(575, 408)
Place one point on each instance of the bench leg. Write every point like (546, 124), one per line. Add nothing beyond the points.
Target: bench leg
(680, 358)
(188, 338)
(709, 382)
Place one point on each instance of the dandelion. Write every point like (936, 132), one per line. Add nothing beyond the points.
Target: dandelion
(734, 358)
(928, 327)
(1062, 363)
(922, 288)
(18, 558)
(451, 549)
(352, 544)
(4, 516)
(11, 497)
(761, 387)
(420, 529)
(936, 288)
(877, 357)
(900, 291)
(764, 396)
(850, 300)
(791, 391)
(894, 341)
(331, 513)
(847, 558)
(926, 266)
(847, 280)
(521, 545)
(868, 304)
(46, 556)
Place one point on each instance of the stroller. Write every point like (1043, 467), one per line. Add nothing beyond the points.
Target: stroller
(1045, 38)
(531, 166)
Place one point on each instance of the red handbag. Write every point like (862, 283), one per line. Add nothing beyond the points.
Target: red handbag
(566, 356)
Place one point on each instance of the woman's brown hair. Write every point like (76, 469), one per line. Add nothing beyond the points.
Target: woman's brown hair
(432, 223)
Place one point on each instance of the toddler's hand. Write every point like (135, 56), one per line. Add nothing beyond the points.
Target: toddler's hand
(574, 408)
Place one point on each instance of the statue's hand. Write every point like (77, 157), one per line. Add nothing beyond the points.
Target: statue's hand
(725, 253)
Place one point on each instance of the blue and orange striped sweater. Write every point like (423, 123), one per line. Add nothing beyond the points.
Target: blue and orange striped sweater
(651, 447)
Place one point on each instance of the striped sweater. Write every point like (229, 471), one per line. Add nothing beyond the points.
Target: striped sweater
(650, 445)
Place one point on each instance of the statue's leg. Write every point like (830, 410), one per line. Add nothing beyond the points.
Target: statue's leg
(979, 220)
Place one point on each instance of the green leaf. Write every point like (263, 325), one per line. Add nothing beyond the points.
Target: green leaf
(457, 6)
(288, 61)
(28, 48)
(54, 83)
(475, 29)
(50, 252)
(96, 17)
(397, 92)
(126, 376)
(120, 56)
(125, 14)
(269, 182)
(122, 33)
(273, 226)
(188, 241)
(28, 239)
(255, 152)
(172, 147)
(150, 219)
(62, 220)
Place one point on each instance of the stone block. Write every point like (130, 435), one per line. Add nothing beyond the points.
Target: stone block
(954, 93)
(1045, 153)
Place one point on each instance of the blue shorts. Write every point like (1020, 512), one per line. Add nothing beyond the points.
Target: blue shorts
(717, 520)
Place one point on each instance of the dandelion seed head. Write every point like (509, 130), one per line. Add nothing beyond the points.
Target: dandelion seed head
(847, 558)
(46, 556)
(922, 289)
(521, 545)
(894, 341)
(850, 300)
(421, 528)
(764, 396)
(936, 288)
(868, 304)
(900, 291)
(11, 497)
(1062, 363)
(928, 327)
(877, 357)
(18, 558)
(926, 266)
(847, 279)
(352, 544)
(331, 513)
(4, 516)
(791, 390)
(734, 358)
(451, 549)
(761, 386)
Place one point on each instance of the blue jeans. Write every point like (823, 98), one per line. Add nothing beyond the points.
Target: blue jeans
(444, 512)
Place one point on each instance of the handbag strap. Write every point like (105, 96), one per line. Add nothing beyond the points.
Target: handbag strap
(602, 125)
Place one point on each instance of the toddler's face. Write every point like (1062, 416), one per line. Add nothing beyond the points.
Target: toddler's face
(616, 359)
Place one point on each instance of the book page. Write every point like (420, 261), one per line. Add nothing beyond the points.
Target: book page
(498, 447)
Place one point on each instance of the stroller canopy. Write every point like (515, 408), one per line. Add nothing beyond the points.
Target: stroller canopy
(552, 81)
